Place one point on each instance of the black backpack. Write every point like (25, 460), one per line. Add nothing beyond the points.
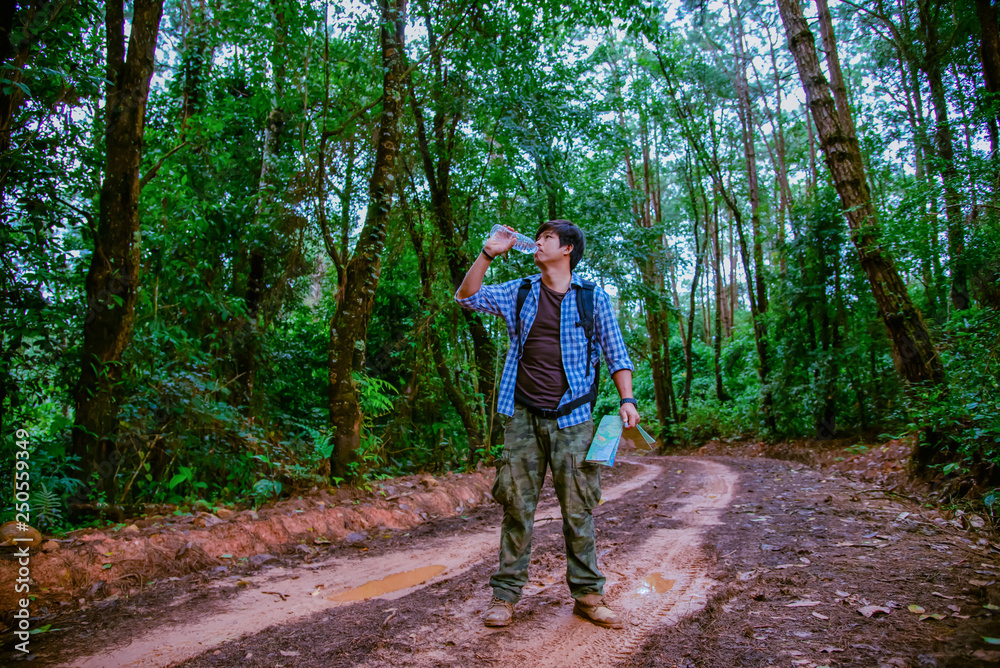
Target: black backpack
(585, 309)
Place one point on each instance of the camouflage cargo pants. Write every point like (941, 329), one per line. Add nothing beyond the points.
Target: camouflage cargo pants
(531, 445)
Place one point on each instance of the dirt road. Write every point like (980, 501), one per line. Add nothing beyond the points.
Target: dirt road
(713, 562)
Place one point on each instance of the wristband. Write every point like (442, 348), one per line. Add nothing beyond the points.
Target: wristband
(488, 256)
(630, 400)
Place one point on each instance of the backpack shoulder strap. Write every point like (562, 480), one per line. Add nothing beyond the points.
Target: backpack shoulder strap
(585, 308)
(522, 294)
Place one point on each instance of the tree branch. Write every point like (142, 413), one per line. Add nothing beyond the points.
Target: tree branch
(89, 217)
(159, 163)
(405, 75)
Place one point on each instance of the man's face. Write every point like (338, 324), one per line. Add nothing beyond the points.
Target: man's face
(549, 249)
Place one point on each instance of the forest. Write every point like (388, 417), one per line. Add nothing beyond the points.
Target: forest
(232, 232)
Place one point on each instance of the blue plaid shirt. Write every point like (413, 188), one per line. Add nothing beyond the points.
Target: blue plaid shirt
(501, 300)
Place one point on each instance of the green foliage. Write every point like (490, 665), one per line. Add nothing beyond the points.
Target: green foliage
(961, 421)
(266, 490)
(707, 420)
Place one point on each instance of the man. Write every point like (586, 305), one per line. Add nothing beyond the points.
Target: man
(546, 390)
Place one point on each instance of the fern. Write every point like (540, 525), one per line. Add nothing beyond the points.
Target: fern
(46, 506)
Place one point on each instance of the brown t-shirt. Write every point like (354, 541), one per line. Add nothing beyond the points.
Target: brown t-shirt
(540, 376)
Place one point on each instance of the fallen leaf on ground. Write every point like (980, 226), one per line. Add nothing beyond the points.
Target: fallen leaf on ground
(804, 604)
(842, 594)
(284, 653)
(940, 595)
(979, 583)
(830, 650)
(820, 616)
(916, 609)
(870, 610)
(937, 615)
(987, 656)
(992, 641)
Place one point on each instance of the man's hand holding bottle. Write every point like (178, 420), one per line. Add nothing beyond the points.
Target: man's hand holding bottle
(501, 242)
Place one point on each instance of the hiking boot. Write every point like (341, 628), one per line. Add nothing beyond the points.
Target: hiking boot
(594, 609)
(499, 613)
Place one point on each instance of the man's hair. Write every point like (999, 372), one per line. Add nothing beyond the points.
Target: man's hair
(569, 234)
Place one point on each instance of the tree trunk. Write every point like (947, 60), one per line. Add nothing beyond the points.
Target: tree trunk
(720, 390)
(912, 350)
(196, 60)
(349, 325)
(112, 281)
(931, 66)
(663, 326)
(699, 251)
(836, 75)
(781, 161)
(471, 419)
(813, 170)
(750, 153)
(269, 214)
(989, 52)
(757, 320)
(914, 113)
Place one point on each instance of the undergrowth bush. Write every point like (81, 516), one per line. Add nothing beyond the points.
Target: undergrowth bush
(959, 424)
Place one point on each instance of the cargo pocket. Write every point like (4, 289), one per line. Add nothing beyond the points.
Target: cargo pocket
(502, 481)
(587, 478)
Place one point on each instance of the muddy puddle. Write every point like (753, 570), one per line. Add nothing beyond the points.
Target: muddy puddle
(388, 584)
(654, 583)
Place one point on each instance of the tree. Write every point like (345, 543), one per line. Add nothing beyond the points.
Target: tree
(112, 281)
(989, 53)
(349, 325)
(912, 349)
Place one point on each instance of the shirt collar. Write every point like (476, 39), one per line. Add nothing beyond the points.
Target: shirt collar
(574, 280)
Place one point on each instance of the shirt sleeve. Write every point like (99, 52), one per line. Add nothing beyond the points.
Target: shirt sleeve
(492, 299)
(609, 335)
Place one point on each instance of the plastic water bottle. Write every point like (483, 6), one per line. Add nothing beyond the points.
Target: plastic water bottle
(522, 242)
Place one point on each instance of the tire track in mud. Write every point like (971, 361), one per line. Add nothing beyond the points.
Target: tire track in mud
(673, 554)
(284, 595)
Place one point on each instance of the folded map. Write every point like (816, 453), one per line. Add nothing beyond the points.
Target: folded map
(609, 436)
